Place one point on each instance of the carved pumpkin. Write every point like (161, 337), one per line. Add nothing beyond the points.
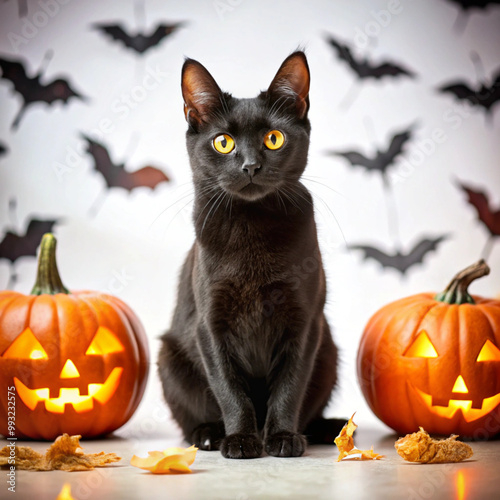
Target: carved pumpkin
(434, 361)
(76, 362)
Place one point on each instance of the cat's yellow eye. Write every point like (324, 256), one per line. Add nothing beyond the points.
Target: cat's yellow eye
(224, 144)
(274, 140)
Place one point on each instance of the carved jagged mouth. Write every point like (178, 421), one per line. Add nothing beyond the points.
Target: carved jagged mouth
(81, 403)
(464, 405)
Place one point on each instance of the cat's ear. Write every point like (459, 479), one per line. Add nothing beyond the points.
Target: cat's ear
(292, 82)
(201, 93)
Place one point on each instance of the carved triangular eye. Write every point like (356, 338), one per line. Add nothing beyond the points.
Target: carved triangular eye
(489, 352)
(104, 342)
(26, 346)
(421, 347)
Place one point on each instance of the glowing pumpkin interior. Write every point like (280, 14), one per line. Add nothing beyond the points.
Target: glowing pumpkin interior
(422, 347)
(26, 346)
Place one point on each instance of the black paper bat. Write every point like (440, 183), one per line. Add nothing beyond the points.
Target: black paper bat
(140, 42)
(365, 69)
(382, 159)
(22, 7)
(465, 5)
(115, 175)
(485, 213)
(401, 261)
(14, 246)
(485, 96)
(32, 90)
(3, 149)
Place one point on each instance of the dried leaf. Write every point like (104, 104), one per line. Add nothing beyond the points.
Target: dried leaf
(65, 493)
(420, 447)
(64, 454)
(345, 444)
(169, 461)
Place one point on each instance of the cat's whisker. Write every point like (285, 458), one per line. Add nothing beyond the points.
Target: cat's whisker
(206, 205)
(309, 178)
(181, 198)
(221, 194)
(318, 197)
(294, 189)
(289, 196)
(280, 199)
(190, 193)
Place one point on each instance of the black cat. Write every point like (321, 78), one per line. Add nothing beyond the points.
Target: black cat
(249, 358)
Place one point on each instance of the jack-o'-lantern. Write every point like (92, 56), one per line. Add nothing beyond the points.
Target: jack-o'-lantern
(69, 362)
(434, 361)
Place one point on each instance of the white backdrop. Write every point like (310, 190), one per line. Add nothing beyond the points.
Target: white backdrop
(135, 244)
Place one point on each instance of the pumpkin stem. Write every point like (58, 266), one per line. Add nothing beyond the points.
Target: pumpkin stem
(456, 292)
(48, 280)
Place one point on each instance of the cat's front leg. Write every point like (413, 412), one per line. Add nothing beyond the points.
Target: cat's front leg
(288, 385)
(226, 382)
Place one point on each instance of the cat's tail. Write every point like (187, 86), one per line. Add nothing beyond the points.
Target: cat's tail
(323, 430)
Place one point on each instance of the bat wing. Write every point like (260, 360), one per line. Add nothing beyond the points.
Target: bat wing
(488, 96)
(396, 146)
(471, 4)
(400, 261)
(357, 159)
(145, 177)
(419, 251)
(162, 31)
(389, 69)
(116, 32)
(381, 257)
(103, 163)
(14, 246)
(460, 91)
(15, 72)
(344, 53)
(58, 90)
(3, 149)
(9, 246)
(480, 202)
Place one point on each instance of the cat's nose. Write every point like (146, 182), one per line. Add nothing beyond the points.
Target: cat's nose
(251, 168)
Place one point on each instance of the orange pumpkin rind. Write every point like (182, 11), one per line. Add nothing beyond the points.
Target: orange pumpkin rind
(420, 447)
(170, 461)
(345, 444)
(64, 454)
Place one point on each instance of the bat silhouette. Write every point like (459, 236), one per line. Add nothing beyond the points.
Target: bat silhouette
(401, 261)
(479, 200)
(3, 149)
(382, 160)
(14, 246)
(465, 5)
(32, 90)
(484, 96)
(140, 42)
(22, 7)
(115, 175)
(365, 69)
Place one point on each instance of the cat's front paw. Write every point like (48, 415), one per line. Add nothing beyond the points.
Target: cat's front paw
(285, 444)
(241, 446)
(208, 436)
